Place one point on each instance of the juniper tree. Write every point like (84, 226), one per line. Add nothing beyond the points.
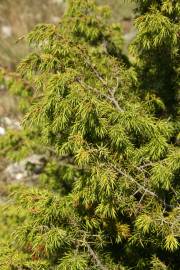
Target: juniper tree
(111, 191)
(156, 47)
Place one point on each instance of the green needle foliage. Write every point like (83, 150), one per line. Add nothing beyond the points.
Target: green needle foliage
(156, 47)
(108, 195)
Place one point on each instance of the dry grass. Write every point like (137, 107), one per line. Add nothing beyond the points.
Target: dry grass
(121, 9)
(17, 17)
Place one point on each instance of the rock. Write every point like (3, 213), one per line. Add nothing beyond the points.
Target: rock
(11, 123)
(128, 37)
(58, 1)
(55, 19)
(6, 31)
(7, 123)
(25, 170)
(2, 131)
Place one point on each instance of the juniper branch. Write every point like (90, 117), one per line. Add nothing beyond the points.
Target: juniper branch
(107, 97)
(95, 257)
(137, 183)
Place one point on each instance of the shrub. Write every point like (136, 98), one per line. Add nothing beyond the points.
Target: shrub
(110, 198)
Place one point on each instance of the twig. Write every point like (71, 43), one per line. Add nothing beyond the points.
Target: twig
(105, 84)
(95, 257)
(137, 183)
(112, 95)
(115, 102)
(95, 90)
(98, 75)
(143, 188)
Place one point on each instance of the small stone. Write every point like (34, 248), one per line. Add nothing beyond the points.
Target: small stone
(2, 131)
(6, 31)
(11, 123)
(26, 169)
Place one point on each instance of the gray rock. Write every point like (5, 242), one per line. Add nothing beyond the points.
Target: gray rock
(128, 37)
(11, 123)
(26, 170)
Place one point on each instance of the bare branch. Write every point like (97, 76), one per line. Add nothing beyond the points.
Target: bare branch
(116, 87)
(115, 102)
(112, 96)
(137, 183)
(95, 257)
(105, 84)
(95, 90)
(98, 75)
